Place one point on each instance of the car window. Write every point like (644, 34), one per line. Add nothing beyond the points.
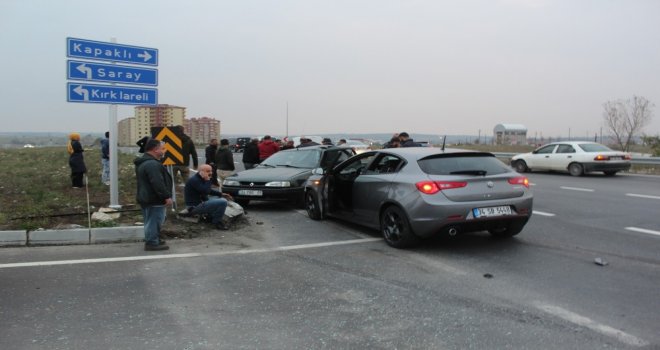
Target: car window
(357, 165)
(594, 147)
(463, 164)
(296, 158)
(565, 149)
(385, 164)
(545, 149)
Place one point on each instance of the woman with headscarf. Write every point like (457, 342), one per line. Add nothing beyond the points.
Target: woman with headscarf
(76, 160)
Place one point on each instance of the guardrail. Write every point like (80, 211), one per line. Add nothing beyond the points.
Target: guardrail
(634, 160)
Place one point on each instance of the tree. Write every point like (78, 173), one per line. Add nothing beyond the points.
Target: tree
(627, 118)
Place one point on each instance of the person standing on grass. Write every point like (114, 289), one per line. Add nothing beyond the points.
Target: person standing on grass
(76, 160)
(224, 161)
(154, 192)
(210, 159)
(105, 158)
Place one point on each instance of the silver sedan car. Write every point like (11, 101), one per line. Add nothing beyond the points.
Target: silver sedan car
(415, 193)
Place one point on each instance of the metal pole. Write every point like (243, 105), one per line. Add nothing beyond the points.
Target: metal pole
(287, 120)
(114, 183)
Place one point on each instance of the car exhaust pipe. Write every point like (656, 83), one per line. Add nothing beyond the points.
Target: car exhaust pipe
(452, 231)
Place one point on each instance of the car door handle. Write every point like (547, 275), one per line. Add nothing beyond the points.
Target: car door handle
(547, 156)
(570, 157)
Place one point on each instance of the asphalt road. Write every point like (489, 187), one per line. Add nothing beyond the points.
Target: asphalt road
(282, 281)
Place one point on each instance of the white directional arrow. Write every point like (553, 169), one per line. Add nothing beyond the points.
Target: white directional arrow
(146, 56)
(80, 91)
(85, 70)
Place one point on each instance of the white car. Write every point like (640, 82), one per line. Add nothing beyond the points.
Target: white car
(576, 157)
(357, 146)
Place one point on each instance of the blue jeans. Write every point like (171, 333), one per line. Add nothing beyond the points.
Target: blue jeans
(105, 175)
(214, 206)
(154, 217)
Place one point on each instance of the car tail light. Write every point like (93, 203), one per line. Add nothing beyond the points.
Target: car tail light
(431, 187)
(520, 180)
(601, 157)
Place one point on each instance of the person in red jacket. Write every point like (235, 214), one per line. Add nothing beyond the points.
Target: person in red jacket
(267, 148)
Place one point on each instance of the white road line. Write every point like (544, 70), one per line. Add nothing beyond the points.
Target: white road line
(591, 324)
(532, 184)
(542, 213)
(189, 255)
(642, 196)
(576, 189)
(643, 230)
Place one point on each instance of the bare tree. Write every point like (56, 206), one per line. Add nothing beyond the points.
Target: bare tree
(627, 118)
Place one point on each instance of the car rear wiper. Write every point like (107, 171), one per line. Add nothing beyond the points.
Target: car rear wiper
(268, 165)
(469, 172)
(288, 166)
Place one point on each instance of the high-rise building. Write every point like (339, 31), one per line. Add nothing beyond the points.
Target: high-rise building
(159, 115)
(127, 134)
(202, 130)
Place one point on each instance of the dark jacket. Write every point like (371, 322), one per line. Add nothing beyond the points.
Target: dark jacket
(210, 153)
(154, 183)
(224, 159)
(197, 191)
(76, 159)
(251, 153)
(105, 148)
(188, 149)
(267, 148)
(410, 143)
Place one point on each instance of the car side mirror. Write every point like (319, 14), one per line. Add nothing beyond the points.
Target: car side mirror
(318, 171)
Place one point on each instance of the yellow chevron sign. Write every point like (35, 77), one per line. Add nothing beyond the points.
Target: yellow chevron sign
(173, 144)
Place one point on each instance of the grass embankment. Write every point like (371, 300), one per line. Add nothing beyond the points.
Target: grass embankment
(35, 185)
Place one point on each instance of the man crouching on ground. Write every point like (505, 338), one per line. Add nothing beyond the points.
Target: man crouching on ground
(196, 195)
(154, 192)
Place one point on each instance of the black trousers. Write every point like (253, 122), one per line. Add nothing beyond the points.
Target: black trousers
(77, 179)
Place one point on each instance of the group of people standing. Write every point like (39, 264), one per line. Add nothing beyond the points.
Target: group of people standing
(401, 139)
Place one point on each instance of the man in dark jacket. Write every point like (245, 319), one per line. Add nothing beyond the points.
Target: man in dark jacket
(187, 150)
(251, 154)
(196, 194)
(224, 161)
(267, 148)
(210, 158)
(154, 192)
(406, 141)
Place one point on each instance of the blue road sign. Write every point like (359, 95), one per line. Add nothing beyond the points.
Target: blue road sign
(97, 50)
(91, 93)
(110, 73)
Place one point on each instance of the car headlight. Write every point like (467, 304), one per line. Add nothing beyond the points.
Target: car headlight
(278, 184)
(230, 183)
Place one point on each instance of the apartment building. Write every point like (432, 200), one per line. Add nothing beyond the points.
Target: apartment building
(159, 115)
(202, 130)
(127, 133)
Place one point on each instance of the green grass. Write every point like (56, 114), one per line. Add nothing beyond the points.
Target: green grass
(35, 185)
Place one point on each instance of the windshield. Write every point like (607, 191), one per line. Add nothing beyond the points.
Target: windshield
(594, 147)
(296, 158)
(464, 164)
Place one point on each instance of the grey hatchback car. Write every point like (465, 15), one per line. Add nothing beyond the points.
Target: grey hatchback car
(415, 193)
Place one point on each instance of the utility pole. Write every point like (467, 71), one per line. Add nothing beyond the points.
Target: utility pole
(287, 120)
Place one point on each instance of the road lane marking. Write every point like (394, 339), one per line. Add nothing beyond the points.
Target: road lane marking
(642, 196)
(189, 255)
(643, 230)
(591, 324)
(532, 184)
(576, 189)
(542, 213)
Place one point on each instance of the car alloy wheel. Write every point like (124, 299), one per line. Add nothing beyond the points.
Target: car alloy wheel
(312, 207)
(520, 166)
(576, 169)
(396, 229)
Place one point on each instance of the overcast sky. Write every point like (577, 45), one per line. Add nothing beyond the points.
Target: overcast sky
(437, 67)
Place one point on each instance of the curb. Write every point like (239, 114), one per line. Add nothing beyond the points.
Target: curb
(72, 236)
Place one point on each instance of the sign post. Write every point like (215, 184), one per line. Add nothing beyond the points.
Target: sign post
(115, 71)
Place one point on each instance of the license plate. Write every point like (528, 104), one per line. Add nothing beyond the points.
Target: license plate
(257, 193)
(491, 211)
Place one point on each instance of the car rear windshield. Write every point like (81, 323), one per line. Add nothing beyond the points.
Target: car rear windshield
(594, 147)
(295, 159)
(462, 164)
